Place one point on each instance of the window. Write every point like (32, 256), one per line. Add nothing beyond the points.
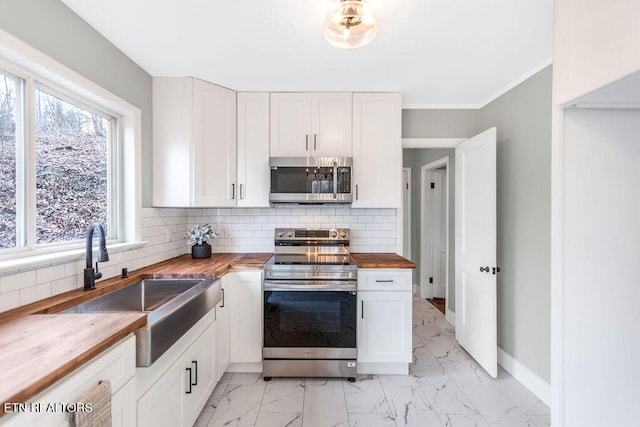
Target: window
(10, 94)
(58, 172)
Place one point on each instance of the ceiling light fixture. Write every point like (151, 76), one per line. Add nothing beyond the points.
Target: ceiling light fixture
(350, 24)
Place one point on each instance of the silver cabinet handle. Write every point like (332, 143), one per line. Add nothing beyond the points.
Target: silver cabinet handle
(233, 191)
(362, 309)
(384, 281)
(356, 191)
(314, 141)
(306, 142)
(241, 191)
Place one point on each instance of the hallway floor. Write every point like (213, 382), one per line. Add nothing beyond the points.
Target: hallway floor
(445, 388)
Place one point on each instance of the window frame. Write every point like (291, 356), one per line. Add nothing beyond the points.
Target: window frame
(39, 70)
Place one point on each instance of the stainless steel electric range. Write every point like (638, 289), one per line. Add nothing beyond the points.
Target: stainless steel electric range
(310, 305)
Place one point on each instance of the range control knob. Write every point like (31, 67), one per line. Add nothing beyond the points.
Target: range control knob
(290, 233)
(343, 234)
(280, 233)
(333, 234)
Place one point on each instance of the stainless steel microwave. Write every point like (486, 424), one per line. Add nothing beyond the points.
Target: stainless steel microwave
(311, 180)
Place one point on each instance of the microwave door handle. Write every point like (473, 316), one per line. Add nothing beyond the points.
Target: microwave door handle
(335, 180)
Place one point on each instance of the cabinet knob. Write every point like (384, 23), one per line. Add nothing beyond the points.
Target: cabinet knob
(484, 269)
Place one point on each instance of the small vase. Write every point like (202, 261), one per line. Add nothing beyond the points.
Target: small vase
(201, 251)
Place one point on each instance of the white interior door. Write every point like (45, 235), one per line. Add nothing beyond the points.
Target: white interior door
(475, 194)
(439, 233)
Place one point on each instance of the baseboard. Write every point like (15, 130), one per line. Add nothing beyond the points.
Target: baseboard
(245, 367)
(525, 376)
(383, 368)
(450, 317)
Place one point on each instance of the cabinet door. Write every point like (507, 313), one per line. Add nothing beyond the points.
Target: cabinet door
(243, 294)
(200, 381)
(384, 326)
(162, 405)
(253, 149)
(290, 124)
(223, 352)
(214, 145)
(172, 103)
(377, 150)
(331, 124)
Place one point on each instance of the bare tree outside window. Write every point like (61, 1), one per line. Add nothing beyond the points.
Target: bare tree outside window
(8, 87)
(71, 169)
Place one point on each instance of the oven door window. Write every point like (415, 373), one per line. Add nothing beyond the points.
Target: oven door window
(309, 319)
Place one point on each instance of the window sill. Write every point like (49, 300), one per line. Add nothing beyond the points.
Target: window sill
(17, 265)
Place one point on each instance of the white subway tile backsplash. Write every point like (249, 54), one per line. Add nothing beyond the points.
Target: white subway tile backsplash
(49, 274)
(241, 230)
(35, 293)
(17, 281)
(64, 285)
(373, 230)
(9, 300)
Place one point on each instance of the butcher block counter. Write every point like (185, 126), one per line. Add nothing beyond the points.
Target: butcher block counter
(36, 351)
(382, 260)
(37, 348)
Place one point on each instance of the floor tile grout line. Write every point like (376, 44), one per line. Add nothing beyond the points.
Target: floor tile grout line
(346, 406)
(261, 378)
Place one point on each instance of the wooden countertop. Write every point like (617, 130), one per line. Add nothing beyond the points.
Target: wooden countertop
(36, 349)
(39, 350)
(183, 266)
(371, 260)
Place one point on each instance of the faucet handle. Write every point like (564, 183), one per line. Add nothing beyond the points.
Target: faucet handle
(97, 274)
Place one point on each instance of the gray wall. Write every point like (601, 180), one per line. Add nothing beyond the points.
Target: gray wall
(439, 123)
(54, 29)
(523, 119)
(415, 159)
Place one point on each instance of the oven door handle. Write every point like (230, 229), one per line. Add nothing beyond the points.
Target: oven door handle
(309, 286)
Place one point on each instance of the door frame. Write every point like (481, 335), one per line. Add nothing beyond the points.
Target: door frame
(407, 225)
(413, 143)
(425, 249)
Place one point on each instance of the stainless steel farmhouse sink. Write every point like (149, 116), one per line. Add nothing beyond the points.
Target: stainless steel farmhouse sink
(172, 306)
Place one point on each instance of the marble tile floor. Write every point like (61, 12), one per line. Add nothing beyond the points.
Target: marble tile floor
(445, 388)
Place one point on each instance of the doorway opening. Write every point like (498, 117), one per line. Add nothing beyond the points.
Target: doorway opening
(434, 238)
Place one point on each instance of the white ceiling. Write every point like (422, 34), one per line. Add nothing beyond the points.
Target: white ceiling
(438, 53)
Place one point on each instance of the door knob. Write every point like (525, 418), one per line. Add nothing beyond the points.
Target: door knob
(484, 269)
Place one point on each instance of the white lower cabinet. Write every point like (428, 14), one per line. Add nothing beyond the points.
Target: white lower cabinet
(173, 390)
(162, 404)
(384, 319)
(118, 365)
(243, 296)
(223, 353)
(199, 367)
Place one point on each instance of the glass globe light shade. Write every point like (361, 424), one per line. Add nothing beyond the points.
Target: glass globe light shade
(350, 24)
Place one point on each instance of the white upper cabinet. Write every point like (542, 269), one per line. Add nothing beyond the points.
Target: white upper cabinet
(311, 124)
(377, 150)
(194, 144)
(595, 43)
(253, 149)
